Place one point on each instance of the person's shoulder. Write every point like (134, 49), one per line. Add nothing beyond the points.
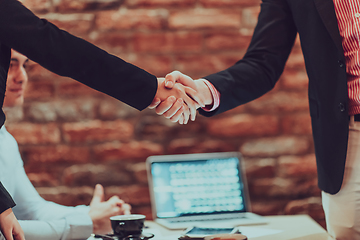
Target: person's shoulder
(5, 136)
(9, 150)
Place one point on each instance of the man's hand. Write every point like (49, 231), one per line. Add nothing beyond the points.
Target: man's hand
(10, 227)
(101, 211)
(178, 100)
(170, 108)
(197, 90)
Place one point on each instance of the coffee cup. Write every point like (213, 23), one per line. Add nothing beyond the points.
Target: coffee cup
(126, 225)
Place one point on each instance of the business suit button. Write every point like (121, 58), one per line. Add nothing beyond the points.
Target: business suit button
(342, 107)
(341, 64)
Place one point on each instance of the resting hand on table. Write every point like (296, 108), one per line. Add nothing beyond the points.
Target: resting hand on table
(196, 90)
(101, 211)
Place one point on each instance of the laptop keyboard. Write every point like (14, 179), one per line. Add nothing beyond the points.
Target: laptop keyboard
(207, 219)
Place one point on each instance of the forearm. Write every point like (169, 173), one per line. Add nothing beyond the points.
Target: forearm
(264, 61)
(46, 211)
(67, 55)
(31, 206)
(77, 226)
(47, 220)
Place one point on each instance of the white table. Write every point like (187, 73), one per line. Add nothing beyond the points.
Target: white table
(284, 227)
(294, 227)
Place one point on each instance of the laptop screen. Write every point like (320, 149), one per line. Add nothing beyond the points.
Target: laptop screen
(199, 186)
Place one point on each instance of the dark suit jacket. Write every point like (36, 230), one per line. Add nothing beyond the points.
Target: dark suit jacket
(67, 55)
(279, 22)
(6, 201)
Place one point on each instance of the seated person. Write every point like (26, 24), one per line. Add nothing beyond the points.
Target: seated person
(40, 219)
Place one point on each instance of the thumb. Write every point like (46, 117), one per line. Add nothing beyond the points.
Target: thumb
(98, 194)
(176, 76)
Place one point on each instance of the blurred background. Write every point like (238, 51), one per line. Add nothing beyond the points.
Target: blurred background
(72, 137)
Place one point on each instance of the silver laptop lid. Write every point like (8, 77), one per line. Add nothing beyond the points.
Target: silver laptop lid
(197, 184)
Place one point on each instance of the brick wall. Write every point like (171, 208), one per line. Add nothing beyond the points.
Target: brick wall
(72, 137)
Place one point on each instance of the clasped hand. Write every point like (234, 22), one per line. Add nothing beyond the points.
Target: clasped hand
(179, 96)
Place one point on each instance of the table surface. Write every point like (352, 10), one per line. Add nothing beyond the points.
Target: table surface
(284, 227)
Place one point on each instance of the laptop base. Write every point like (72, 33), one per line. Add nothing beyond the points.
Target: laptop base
(244, 219)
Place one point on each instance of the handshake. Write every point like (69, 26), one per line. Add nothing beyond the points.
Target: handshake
(179, 96)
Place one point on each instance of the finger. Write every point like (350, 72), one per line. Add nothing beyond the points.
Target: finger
(116, 201)
(189, 102)
(181, 120)
(126, 209)
(165, 105)
(170, 80)
(98, 194)
(176, 107)
(194, 95)
(192, 107)
(121, 210)
(116, 211)
(178, 114)
(154, 103)
(186, 114)
(176, 76)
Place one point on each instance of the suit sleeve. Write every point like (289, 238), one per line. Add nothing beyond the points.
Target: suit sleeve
(264, 61)
(6, 201)
(70, 56)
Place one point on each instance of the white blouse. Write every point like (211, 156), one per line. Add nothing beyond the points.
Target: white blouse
(40, 219)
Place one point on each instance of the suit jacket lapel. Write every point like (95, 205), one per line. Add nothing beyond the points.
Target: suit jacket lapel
(327, 13)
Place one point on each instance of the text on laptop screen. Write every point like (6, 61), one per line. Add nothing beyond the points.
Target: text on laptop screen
(196, 187)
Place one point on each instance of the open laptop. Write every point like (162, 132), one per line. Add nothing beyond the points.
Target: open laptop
(206, 190)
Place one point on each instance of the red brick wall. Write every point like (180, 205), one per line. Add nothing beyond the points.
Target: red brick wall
(72, 137)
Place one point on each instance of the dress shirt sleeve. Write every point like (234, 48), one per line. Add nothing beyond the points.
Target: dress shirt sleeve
(215, 95)
(42, 219)
(76, 226)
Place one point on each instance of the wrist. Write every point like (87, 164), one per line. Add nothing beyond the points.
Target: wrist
(205, 91)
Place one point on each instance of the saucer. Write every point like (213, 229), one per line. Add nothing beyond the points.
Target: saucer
(144, 236)
(141, 237)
